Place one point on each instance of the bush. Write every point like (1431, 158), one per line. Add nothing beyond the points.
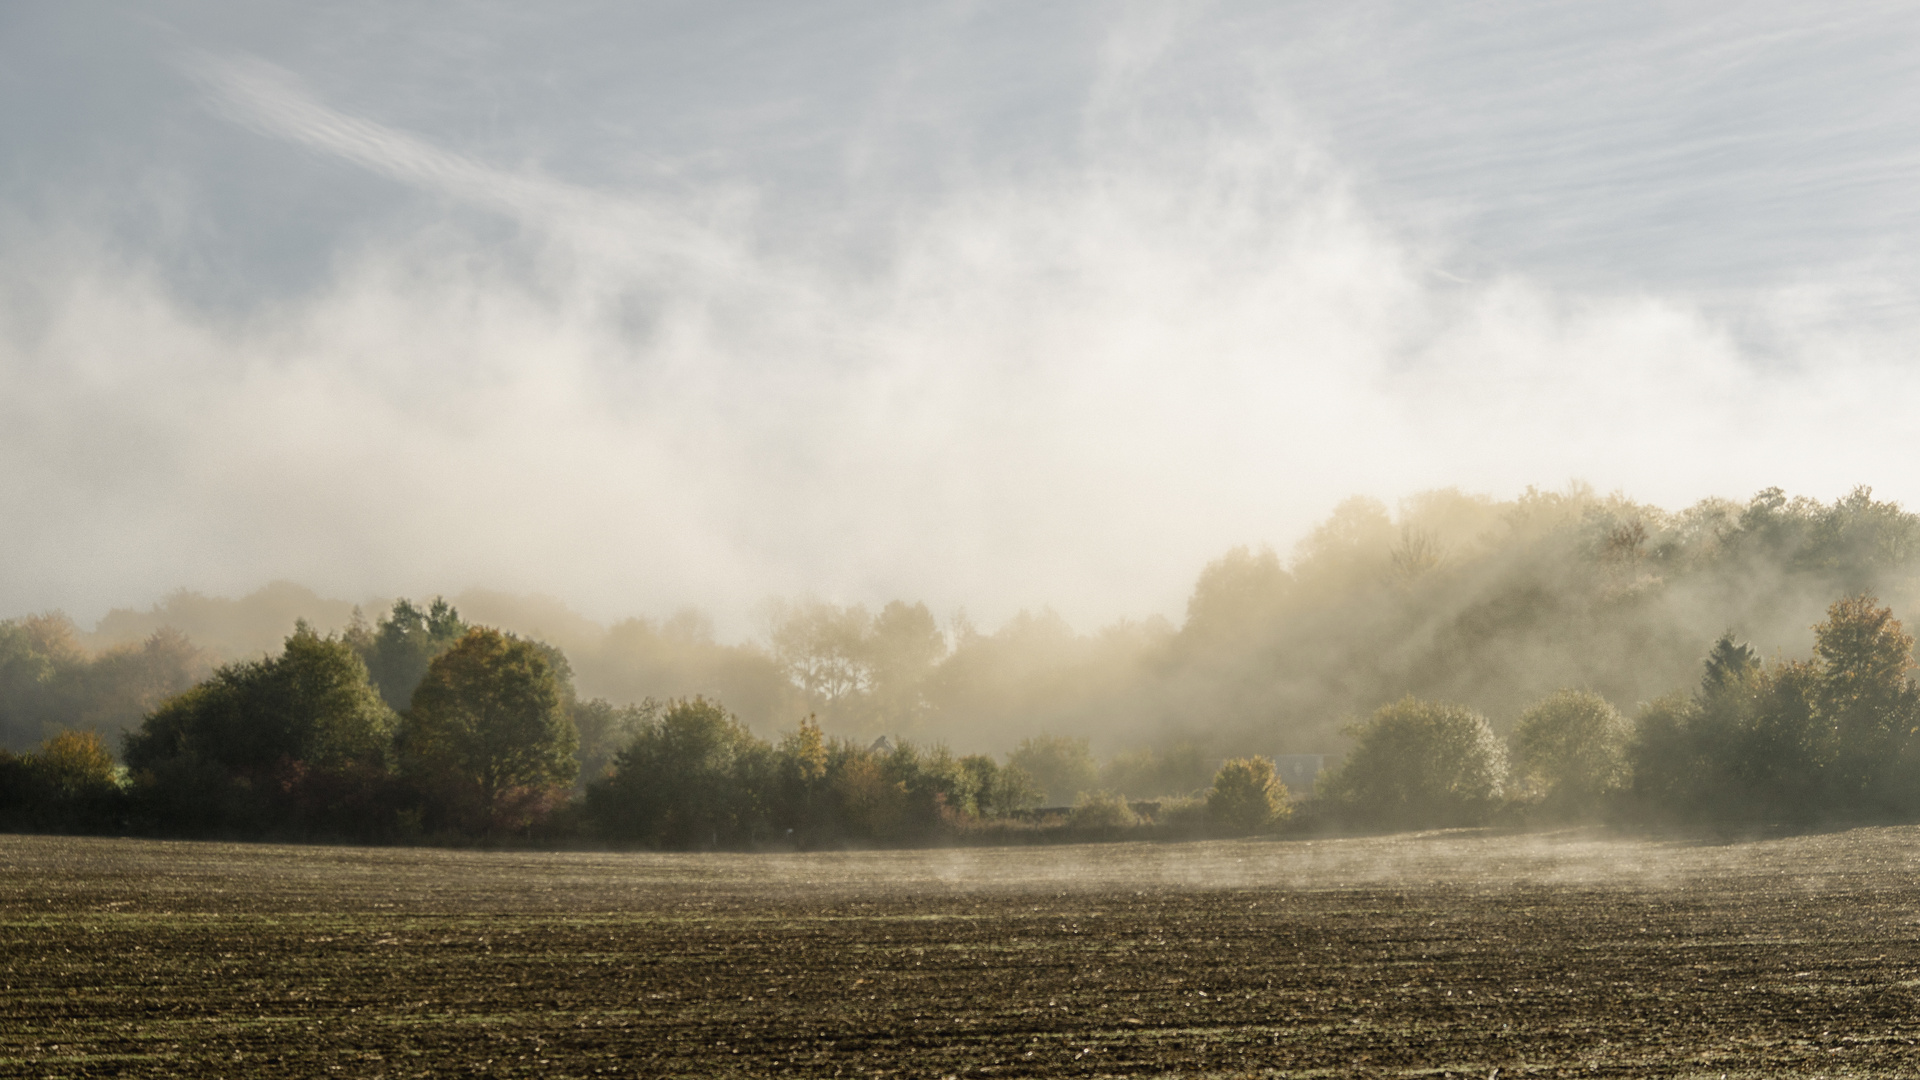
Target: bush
(1570, 749)
(691, 777)
(1247, 796)
(1182, 816)
(1061, 767)
(1419, 764)
(1102, 811)
(267, 746)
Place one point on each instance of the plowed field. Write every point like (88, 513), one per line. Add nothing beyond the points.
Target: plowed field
(1429, 955)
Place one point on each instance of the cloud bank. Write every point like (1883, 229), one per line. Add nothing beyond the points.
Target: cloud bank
(1069, 381)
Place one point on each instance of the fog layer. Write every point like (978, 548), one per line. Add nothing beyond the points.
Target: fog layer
(983, 307)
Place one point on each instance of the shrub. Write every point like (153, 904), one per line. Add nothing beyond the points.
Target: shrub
(1247, 796)
(691, 777)
(1571, 750)
(1419, 764)
(1061, 767)
(1102, 811)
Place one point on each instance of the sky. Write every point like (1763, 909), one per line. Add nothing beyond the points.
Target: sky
(990, 305)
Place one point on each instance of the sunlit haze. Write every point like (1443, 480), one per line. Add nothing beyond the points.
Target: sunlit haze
(993, 306)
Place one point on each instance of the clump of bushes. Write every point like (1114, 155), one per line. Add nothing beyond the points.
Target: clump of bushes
(1419, 764)
(69, 783)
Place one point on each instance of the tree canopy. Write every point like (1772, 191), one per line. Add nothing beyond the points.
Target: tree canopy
(487, 731)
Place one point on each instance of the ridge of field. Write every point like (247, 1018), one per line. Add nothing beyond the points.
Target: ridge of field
(1572, 954)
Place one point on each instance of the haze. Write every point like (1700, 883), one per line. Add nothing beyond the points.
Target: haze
(986, 305)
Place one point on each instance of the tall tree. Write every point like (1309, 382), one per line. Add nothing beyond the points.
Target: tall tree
(690, 778)
(1863, 693)
(398, 650)
(488, 733)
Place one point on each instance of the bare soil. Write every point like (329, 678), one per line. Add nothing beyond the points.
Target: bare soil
(1429, 955)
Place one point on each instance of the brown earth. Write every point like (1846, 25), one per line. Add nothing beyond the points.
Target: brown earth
(1431, 955)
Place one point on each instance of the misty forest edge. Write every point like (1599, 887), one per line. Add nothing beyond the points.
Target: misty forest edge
(1391, 637)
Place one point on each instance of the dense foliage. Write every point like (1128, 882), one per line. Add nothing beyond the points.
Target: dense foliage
(694, 776)
(1470, 634)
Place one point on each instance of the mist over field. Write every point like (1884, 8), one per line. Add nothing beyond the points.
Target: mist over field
(987, 307)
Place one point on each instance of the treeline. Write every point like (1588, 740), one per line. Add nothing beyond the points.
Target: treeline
(1489, 603)
(489, 744)
(1833, 739)
(1492, 606)
(305, 745)
(50, 682)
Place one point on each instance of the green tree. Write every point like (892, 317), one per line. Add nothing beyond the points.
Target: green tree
(1571, 750)
(407, 639)
(487, 734)
(1420, 764)
(999, 790)
(301, 739)
(692, 777)
(1730, 665)
(312, 703)
(1247, 796)
(1062, 767)
(1864, 696)
(1748, 743)
(604, 730)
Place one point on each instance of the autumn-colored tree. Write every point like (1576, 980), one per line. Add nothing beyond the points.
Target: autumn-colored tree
(1863, 695)
(75, 764)
(1247, 796)
(487, 734)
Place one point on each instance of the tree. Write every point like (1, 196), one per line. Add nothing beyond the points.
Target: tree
(1062, 767)
(1420, 764)
(1145, 773)
(1247, 796)
(487, 734)
(1863, 693)
(823, 649)
(312, 703)
(902, 648)
(1748, 743)
(297, 739)
(1235, 597)
(69, 782)
(407, 639)
(76, 764)
(1102, 812)
(1730, 665)
(604, 730)
(999, 790)
(1571, 749)
(690, 778)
